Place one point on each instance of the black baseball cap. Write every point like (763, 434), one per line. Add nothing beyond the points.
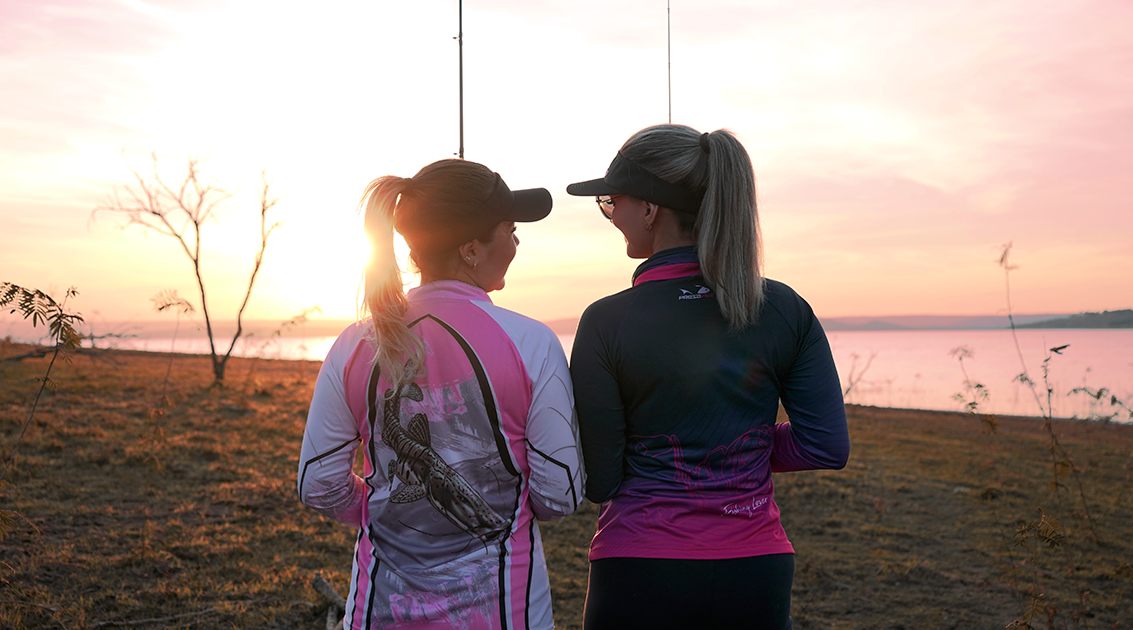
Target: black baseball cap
(435, 228)
(625, 177)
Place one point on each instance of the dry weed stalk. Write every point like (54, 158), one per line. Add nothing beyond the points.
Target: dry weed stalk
(1047, 529)
(1117, 405)
(974, 394)
(165, 301)
(1061, 462)
(276, 334)
(1031, 536)
(854, 378)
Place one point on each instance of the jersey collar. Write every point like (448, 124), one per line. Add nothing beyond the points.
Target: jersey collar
(678, 262)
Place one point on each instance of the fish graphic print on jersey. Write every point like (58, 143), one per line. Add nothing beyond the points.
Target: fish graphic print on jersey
(425, 475)
(457, 466)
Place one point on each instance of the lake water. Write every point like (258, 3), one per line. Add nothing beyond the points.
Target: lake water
(290, 348)
(909, 368)
(915, 369)
(919, 369)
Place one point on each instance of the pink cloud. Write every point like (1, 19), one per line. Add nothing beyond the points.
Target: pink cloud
(67, 71)
(63, 27)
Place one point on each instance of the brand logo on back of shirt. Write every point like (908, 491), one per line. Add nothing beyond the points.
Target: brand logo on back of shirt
(701, 291)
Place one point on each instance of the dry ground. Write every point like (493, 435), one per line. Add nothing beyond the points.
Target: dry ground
(144, 504)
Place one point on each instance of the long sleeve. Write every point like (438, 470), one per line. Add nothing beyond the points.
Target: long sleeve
(601, 414)
(816, 437)
(326, 480)
(554, 453)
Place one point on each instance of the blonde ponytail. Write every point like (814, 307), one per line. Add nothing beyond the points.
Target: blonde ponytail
(727, 231)
(726, 228)
(400, 353)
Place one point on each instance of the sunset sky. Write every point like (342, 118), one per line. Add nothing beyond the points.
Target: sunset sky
(897, 145)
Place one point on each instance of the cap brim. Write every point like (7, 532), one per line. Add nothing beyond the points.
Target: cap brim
(592, 188)
(530, 204)
(626, 177)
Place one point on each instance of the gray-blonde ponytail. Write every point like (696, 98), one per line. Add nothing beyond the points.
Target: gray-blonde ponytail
(726, 228)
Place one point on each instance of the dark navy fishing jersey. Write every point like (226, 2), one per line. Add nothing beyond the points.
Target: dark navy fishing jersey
(678, 415)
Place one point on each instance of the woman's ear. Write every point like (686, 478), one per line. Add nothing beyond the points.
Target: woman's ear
(651, 211)
(468, 252)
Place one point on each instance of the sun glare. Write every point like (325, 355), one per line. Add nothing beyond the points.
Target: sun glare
(401, 251)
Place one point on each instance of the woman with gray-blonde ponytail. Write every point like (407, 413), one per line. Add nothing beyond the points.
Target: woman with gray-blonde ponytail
(678, 382)
(463, 412)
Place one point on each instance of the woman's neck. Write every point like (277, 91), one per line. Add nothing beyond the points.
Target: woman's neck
(667, 232)
(465, 280)
(668, 241)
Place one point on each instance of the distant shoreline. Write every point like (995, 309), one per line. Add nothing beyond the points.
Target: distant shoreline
(21, 330)
(1105, 320)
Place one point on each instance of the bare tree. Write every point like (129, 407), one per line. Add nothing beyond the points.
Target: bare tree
(180, 212)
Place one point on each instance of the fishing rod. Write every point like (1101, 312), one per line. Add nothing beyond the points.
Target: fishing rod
(460, 63)
(460, 56)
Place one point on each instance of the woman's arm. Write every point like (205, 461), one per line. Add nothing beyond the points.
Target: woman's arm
(326, 480)
(601, 417)
(554, 454)
(816, 437)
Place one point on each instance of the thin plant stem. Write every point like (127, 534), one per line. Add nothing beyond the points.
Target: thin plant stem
(172, 348)
(1007, 268)
(59, 322)
(35, 404)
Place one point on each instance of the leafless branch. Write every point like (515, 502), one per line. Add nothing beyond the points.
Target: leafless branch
(180, 212)
(266, 203)
(854, 380)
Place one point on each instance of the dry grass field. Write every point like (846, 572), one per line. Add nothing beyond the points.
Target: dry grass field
(141, 503)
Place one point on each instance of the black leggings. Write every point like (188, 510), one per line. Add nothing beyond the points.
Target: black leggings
(656, 593)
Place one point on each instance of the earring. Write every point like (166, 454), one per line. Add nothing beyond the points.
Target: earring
(649, 227)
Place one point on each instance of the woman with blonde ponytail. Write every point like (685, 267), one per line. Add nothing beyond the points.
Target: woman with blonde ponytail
(464, 412)
(678, 382)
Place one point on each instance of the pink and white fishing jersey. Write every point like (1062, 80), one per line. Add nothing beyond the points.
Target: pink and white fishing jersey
(458, 465)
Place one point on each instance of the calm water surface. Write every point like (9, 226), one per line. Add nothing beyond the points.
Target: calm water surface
(919, 369)
(916, 369)
(910, 369)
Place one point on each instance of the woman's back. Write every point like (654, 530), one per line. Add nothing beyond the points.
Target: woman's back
(455, 468)
(690, 471)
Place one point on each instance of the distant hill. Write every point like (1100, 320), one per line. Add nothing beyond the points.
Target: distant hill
(930, 322)
(1104, 319)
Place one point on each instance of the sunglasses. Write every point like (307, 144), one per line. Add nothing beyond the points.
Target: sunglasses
(606, 205)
